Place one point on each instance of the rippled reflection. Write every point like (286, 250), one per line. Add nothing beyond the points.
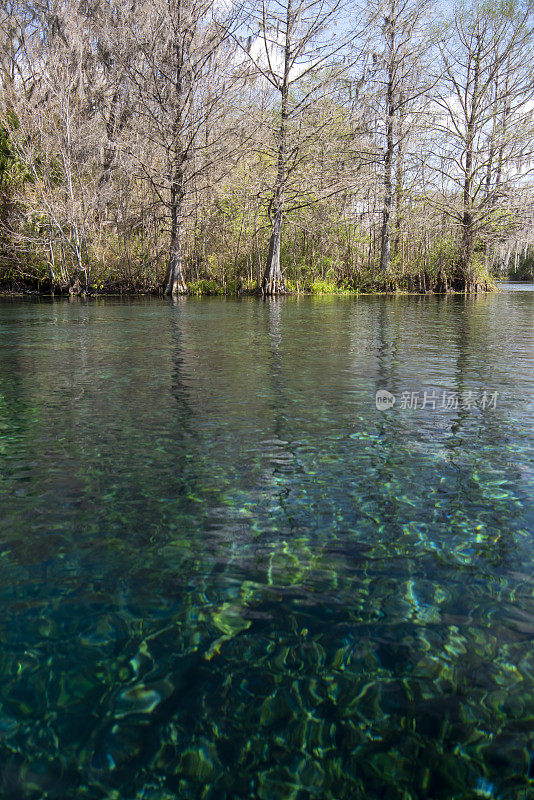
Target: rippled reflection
(225, 574)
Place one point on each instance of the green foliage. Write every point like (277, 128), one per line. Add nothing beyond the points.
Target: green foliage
(479, 271)
(443, 254)
(205, 287)
(323, 287)
(13, 171)
(329, 287)
(522, 269)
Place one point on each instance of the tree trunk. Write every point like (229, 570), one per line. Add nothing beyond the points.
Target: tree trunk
(468, 217)
(385, 240)
(468, 220)
(399, 186)
(385, 243)
(468, 244)
(273, 282)
(176, 281)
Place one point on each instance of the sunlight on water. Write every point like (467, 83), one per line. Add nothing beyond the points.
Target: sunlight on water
(226, 574)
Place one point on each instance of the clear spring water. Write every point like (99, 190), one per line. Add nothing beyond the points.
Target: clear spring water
(225, 574)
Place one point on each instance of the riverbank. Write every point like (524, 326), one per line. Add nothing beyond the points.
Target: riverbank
(422, 284)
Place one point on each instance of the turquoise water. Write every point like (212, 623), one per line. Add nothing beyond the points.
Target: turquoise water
(225, 574)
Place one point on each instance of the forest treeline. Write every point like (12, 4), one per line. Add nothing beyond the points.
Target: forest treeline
(207, 146)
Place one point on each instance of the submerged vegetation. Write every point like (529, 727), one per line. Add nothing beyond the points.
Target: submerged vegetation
(189, 146)
(226, 575)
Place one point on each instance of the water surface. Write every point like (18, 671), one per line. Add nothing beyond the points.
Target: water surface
(225, 574)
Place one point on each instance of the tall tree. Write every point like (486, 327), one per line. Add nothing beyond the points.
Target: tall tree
(399, 83)
(290, 39)
(57, 139)
(176, 64)
(485, 131)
